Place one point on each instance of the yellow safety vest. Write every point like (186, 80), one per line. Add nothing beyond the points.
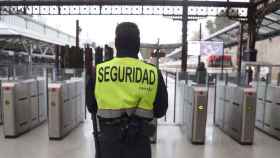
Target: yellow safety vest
(125, 85)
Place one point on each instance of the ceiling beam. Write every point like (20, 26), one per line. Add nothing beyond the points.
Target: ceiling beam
(125, 3)
(272, 20)
(277, 14)
(271, 28)
(226, 29)
(268, 7)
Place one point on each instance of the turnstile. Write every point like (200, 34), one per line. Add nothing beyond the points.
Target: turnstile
(21, 102)
(66, 107)
(195, 112)
(236, 111)
(268, 109)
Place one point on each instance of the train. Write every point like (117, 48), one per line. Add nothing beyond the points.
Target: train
(213, 63)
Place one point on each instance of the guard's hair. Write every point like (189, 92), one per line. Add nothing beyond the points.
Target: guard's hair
(127, 37)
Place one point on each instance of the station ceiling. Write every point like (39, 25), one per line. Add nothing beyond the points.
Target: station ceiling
(268, 27)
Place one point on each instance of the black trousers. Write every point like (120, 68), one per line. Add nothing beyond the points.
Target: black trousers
(112, 145)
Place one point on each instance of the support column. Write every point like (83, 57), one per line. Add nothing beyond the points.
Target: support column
(30, 62)
(200, 38)
(240, 47)
(78, 30)
(251, 53)
(184, 64)
(57, 56)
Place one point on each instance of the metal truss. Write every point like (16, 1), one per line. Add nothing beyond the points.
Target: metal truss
(125, 7)
(227, 35)
(265, 7)
(268, 28)
(28, 46)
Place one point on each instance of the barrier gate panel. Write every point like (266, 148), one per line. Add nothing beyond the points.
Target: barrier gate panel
(195, 112)
(180, 101)
(67, 112)
(270, 113)
(260, 114)
(268, 110)
(276, 111)
(239, 112)
(276, 121)
(42, 107)
(1, 105)
(55, 101)
(238, 103)
(260, 109)
(8, 101)
(70, 107)
(34, 102)
(22, 106)
(66, 109)
(199, 114)
(249, 115)
(21, 101)
(274, 97)
(227, 109)
(185, 109)
(189, 114)
(219, 116)
(268, 117)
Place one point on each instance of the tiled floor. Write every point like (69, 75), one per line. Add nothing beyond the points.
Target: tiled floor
(171, 144)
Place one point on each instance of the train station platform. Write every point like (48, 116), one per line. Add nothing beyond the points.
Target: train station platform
(171, 142)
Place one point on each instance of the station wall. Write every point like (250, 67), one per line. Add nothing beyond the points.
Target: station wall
(268, 52)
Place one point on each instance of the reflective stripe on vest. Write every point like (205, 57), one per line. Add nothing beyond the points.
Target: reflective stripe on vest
(144, 113)
(105, 113)
(125, 83)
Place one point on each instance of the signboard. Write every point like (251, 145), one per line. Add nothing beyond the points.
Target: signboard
(211, 48)
(205, 48)
(194, 48)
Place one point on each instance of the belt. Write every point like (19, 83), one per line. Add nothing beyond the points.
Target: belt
(113, 121)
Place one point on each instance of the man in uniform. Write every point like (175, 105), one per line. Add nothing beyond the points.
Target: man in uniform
(125, 94)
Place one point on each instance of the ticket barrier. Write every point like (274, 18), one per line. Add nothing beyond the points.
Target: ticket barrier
(268, 109)
(66, 107)
(236, 111)
(194, 103)
(22, 101)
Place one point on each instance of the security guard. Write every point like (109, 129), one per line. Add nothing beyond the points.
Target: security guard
(127, 95)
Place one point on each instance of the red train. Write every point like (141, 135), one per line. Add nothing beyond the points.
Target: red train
(218, 60)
